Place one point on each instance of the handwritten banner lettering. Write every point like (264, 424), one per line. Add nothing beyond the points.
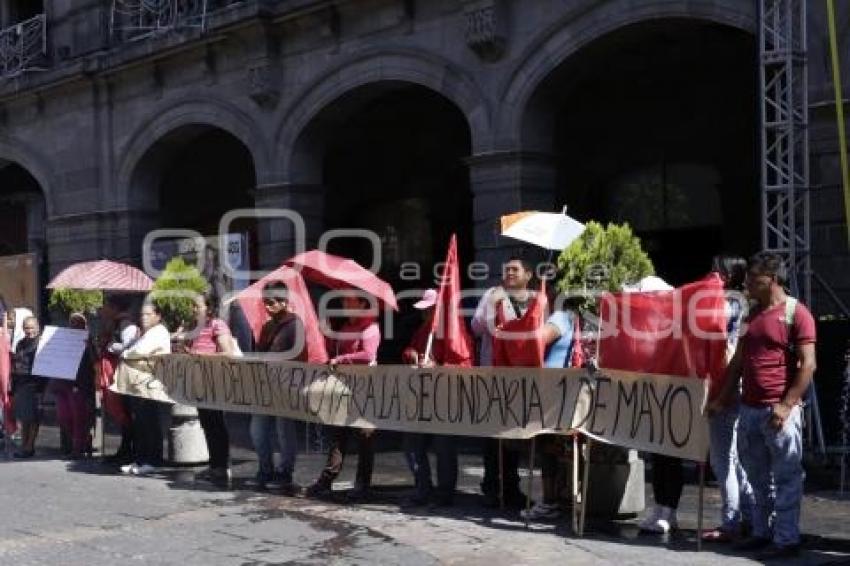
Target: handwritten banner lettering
(653, 413)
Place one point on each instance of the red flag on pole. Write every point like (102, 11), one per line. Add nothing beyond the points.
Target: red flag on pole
(519, 342)
(451, 344)
(680, 332)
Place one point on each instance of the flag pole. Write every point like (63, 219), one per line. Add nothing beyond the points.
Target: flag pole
(501, 477)
(530, 481)
(700, 505)
(588, 443)
(575, 482)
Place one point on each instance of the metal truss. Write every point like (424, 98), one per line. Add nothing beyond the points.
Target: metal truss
(23, 47)
(783, 82)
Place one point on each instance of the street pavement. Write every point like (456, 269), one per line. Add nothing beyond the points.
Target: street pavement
(84, 513)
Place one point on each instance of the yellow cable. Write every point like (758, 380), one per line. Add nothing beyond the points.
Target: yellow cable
(839, 112)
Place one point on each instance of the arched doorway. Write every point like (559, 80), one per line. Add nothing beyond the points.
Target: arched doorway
(391, 159)
(190, 179)
(655, 124)
(22, 231)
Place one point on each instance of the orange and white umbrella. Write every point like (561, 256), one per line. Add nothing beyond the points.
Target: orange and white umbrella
(549, 230)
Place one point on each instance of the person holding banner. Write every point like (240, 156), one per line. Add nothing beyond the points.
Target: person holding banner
(27, 388)
(356, 342)
(284, 335)
(736, 494)
(512, 299)
(211, 335)
(147, 428)
(445, 447)
(561, 336)
(774, 360)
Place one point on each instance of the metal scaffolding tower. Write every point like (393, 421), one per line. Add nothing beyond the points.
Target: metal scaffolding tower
(783, 82)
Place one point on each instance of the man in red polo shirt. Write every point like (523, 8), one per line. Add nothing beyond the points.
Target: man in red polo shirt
(775, 360)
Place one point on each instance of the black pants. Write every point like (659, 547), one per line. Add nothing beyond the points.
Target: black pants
(147, 431)
(667, 480)
(218, 439)
(336, 456)
(510, 466)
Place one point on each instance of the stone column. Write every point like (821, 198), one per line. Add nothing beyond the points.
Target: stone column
(277, 235)
(502, 183)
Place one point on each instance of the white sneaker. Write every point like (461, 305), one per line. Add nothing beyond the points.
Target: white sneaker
(541, 511)
(143, 470)
(668, 519)
(660, 520)
(128, 469)
(651, 523)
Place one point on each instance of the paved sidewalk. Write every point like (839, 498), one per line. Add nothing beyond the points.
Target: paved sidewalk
(83, 513)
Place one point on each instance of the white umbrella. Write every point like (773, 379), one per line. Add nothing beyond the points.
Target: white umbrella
(648, 284)
(549, 230)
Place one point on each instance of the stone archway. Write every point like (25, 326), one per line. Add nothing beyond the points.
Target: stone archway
(682, 142)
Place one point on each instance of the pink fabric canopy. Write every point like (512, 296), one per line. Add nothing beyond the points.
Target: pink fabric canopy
(103, 275)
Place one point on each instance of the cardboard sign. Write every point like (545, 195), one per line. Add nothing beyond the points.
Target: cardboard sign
(59, 352)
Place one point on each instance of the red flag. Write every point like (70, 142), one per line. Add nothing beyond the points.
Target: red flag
(452, 344)
(519, 342)
(680, 332)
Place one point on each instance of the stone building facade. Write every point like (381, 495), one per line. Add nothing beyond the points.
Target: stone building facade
(414, 118)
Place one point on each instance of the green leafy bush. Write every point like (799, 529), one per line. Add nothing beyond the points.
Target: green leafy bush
(174, 292)
(602, 259)
(64, 302)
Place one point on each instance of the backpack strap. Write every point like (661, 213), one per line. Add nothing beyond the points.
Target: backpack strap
(790, 309)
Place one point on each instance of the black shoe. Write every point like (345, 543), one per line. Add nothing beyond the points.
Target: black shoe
(777, 552)
(220, 477)
(289, 489)
(753, 544)
(415, 501)
(319, 491)
(515, 500)
(359, 494)
(23, 454)
(441, 501)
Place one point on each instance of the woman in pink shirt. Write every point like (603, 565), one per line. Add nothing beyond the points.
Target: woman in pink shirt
(211, 335)
(356, 342)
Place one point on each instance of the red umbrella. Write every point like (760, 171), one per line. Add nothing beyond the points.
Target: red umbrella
(340, 273)
(103, 275)
(251, 302)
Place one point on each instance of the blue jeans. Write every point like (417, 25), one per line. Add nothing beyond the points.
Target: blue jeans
(263, 429)
(736, 493)
(445, 449)
(773, 460)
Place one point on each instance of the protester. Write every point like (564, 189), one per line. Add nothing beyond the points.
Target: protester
(75, 400)
(356, 342)
(444, 446)
(147, 429)
(211, 335)
(27, 388)
(117, 333)
(775, 360)
(512, 298)
(736, 495)
(559, 336)
(284, 335)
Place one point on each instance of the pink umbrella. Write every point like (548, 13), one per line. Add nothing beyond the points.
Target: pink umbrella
(251, 302)
(102, 275)
(339, 273)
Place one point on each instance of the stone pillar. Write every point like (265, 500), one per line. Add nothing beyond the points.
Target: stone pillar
(502, 183)
(277, 235)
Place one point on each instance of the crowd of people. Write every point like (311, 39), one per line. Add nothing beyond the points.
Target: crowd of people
(754, 410)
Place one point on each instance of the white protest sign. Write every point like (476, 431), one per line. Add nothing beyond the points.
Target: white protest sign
(59, 352)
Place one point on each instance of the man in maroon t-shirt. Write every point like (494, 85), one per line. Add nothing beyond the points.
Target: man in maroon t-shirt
(775, 360)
